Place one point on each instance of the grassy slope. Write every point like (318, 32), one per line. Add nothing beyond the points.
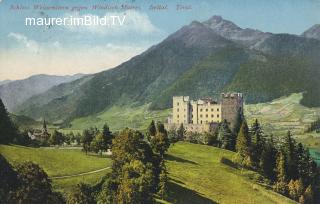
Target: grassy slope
(120, 117)
(195, 172)
(285, 114)
(58, 162)
(197, 176)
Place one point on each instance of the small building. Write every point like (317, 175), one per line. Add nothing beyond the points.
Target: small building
(204, 114)
(40, 135)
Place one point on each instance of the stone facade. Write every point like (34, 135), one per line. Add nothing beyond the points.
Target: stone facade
(203, 114)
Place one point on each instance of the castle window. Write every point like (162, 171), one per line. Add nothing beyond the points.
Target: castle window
(206, 115)
(207, 110)
(217, 109)
(200, 116)
(177, 109)
(201, 121)
(201, 110)
(192, 116)
(177, 103)
(212, 116)
(177, 116)
(218, 116)
(212, 109)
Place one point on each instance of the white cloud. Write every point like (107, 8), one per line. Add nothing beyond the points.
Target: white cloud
(135, 21)
(27, 43)
(53, 59)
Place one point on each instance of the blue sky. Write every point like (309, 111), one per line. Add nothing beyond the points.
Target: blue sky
(26, 50)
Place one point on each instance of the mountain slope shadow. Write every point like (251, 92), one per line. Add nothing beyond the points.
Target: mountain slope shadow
(182, 195)
(170, 157)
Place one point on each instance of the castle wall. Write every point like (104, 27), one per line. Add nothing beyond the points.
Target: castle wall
(231, 105)
(209, 113)
(197, 116)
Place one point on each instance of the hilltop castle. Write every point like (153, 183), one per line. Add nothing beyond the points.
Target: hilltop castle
(203, 114)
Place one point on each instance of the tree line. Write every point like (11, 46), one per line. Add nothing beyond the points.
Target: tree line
(138, 169)
(9, 132)
(94, 140)
(26, 183)
(314, 126)
(286, 164)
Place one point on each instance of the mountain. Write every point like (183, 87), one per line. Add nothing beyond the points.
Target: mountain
(14, 93)
(140, 79)
(200, 59)
(231, 31)
(4, 82)
(313, 32)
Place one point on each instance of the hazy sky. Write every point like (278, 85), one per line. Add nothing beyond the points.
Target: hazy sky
(25, 50)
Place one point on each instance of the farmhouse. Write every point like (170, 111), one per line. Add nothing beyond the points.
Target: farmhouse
(203, 114)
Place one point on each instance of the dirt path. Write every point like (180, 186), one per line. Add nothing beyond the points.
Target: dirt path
(81, 174)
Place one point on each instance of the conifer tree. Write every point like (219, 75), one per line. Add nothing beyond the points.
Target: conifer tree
(181, 132)
(289, 148)
(238, 123)
(281, 169)
(107, 136)
(151, 131)
(243, 141)
(160, 128)
(225, 136)
(268, 160)
(257, 142)
(8, 131)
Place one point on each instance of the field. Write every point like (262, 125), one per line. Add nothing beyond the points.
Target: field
(283, 114)
(59, 162)
(196, 174)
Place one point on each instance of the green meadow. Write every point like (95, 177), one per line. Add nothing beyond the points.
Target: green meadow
(59, 162)
(198, 176)
(195, 171)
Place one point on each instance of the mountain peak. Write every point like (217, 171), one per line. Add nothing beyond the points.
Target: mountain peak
(198, 34)
(231, 31)
(216, 19)
(218, 23)
(313, 32)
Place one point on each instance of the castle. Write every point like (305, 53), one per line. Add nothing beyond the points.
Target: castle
(204, 114)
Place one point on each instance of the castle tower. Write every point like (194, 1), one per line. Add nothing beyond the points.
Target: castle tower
(181, 109)
(231, 106)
